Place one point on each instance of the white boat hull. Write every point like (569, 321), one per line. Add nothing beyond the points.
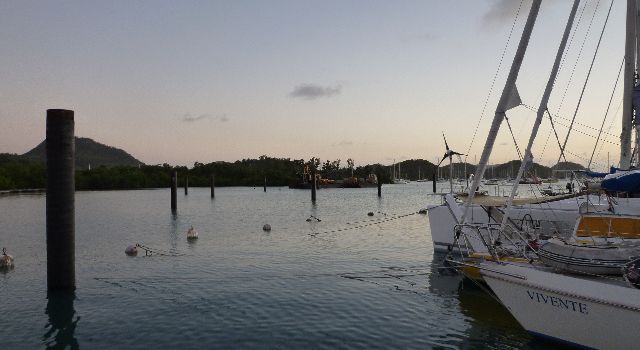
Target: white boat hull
(573, 310)
(552, 218)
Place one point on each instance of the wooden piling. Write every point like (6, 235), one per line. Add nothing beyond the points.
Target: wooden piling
(313, 182)
(265, 184)
(433, 177)
(379, 185)
(60, 201)
(174, 191)
(186, 184)
(213, 186)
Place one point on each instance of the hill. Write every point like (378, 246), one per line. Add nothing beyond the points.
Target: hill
(89, 152)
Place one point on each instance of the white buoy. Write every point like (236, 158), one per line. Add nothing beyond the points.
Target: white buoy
(6, 260)
(131, 250)
(192, 233)
(266, 227)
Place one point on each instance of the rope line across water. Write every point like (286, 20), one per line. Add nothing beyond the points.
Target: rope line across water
(370, 223)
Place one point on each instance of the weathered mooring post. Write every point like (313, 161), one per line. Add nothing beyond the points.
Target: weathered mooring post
(213, 186)
(174, 191)
(433, 177)
(186, 184)
(265, 184)
(60, 150)
(313, 181)
(379, 185)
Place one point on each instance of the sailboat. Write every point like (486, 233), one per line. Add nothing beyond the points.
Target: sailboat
(398, 180)
(580, 308)
(420, 179)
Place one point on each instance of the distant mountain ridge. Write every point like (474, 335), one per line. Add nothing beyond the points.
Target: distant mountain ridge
(89, 152)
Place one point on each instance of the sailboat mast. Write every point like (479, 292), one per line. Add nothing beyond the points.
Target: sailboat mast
(528, 156)
(637, 66)
(627, 108)
(509, 89)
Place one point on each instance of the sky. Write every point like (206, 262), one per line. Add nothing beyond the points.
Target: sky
(376, 81)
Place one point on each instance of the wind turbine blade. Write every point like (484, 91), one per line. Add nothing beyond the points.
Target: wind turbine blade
(445, 142)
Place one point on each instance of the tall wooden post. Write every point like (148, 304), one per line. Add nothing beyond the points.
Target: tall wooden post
(379, 185)
(433, 177)
(174, 191)
(60, 149)
(313, 181)
(213, 186)
(186, 184)
(265, 184)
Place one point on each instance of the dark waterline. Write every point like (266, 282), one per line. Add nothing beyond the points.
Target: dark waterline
(372, 283)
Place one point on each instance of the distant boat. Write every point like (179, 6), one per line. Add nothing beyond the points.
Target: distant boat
(399, 180)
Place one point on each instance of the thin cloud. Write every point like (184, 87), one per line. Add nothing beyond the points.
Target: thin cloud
(189, 118)
(313, 91)
(502, 12)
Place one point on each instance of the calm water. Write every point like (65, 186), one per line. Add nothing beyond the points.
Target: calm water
(373, 283)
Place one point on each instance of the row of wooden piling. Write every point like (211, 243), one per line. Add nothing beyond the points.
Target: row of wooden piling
(60, 200)
(174, 188)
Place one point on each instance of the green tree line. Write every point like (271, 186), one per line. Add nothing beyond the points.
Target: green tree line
(18, 172)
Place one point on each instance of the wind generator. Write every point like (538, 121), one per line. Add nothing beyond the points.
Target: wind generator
(449, 153)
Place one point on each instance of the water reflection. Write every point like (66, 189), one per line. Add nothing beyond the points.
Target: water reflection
(60, 331)
(443, 280)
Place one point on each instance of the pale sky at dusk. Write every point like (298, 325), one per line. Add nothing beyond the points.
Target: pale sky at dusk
(186, 81)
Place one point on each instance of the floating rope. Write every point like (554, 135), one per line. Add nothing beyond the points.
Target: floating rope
(148, 251)
(375, 222)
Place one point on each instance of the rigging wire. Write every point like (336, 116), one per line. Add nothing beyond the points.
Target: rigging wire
(615, 118)
(615, 85)
(575, 64)
(549, 116)
(555, 132)
(513, 137)
(595, 54)
(493, 80)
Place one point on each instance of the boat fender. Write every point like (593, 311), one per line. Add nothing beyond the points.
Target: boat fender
(266, 227)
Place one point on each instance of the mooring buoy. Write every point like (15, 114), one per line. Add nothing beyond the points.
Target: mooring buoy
(131, 250)
(6, 260)
(266, 227)
(370, 213)
(192, 234)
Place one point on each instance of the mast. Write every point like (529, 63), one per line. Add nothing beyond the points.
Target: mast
(627, 108)
(503, 104)
(450, 174)
(528, 156)
(636, 88)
